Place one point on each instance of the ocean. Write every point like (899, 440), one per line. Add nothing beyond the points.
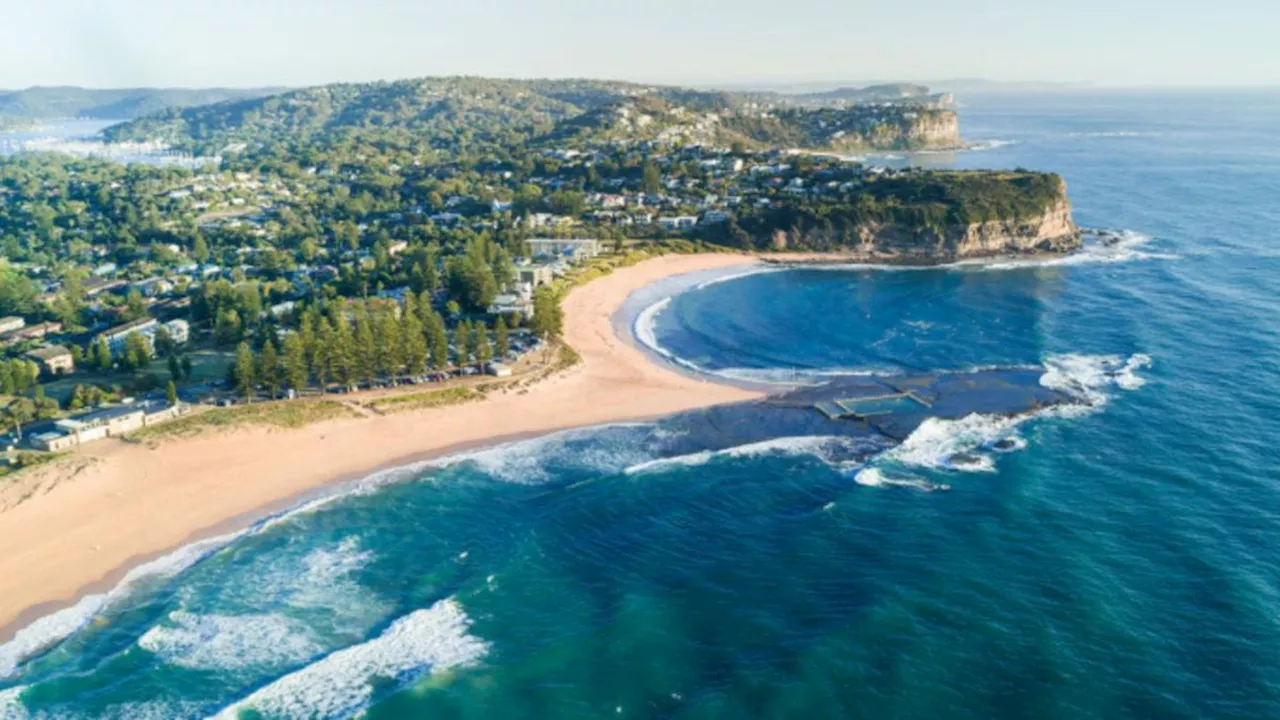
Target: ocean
(1112, 557)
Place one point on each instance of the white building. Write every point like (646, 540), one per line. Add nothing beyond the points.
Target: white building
(680, 222)
(551, 247)
(11, 323)
(116, 336)
(179, 331)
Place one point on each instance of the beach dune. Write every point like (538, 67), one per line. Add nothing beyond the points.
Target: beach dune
(135, 502)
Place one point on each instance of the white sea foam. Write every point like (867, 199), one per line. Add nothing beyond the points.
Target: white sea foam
(320, 579)
(222, 642)
(1088, 377)
(874, 477)
(11, 707)
(516, 462)
(827, 448)
(526, 462)
(969, 444)
(51, 629)
(341, 684)
(757, 270)
(645, 331)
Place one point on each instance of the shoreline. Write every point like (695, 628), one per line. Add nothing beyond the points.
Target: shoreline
(89, 530)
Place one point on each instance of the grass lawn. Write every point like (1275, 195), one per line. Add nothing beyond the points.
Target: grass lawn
(205, 365)
(283, 414)
(424, 400)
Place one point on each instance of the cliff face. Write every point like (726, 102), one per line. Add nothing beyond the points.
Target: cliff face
(939, 129)
(914, 128)
(1052, 232)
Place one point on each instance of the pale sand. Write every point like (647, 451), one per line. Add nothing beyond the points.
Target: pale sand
(136, 502)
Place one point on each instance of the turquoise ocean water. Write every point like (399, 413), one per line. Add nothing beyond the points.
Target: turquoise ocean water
(1114, 559)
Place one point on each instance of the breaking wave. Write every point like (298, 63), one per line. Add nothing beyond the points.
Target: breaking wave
(230, 642)
(48, 631)
(972, 443)
(343, 683)
(600, 448)
(834, 450)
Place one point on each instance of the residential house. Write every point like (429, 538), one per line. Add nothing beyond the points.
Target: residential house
(575, 248)
(678, 223)
(179, 331)
(11, 323)
(97, 286)
(116, 336)
(53, 359)
(152, 287)
(31, 332)
(535, 275)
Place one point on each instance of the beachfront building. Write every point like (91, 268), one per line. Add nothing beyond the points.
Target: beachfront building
(53, 359)
(577, 249)
(108, 422)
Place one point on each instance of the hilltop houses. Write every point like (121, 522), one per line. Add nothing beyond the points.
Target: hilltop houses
(575, 249)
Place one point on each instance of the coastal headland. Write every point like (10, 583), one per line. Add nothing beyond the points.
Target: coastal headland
(124, 503)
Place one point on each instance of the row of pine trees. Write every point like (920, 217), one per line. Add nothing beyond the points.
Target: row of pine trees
(362, 342)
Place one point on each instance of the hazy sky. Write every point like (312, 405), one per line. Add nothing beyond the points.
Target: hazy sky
(115, 43)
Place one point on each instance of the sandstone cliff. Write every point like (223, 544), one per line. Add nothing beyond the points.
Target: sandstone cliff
(1051, 232)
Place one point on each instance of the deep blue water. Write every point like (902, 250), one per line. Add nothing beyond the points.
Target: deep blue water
(1120, 564)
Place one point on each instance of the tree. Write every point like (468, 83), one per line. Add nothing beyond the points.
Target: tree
(437, 341)
(462, 343)
(200, 250)
(135, 306)
(137, 351)
(100, 355)
(227, 328)
(269, 369)
(175, 369)
(342, 358)
(388, 355)
(652, 178)
(483, 350)
(413, 343)
(171, 393)
(501, 343)
(295, 362)
(547, 319)
(243, 371)
(19, 412)
(164, 343)
(186, 367)
(365, 362)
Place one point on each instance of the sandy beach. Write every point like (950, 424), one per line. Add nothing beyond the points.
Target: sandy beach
(133, 502)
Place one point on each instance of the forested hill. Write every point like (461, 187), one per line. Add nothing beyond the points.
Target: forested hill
(38, 103)
(468, 111)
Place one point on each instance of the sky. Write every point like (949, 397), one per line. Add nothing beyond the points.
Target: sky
(254, 43)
